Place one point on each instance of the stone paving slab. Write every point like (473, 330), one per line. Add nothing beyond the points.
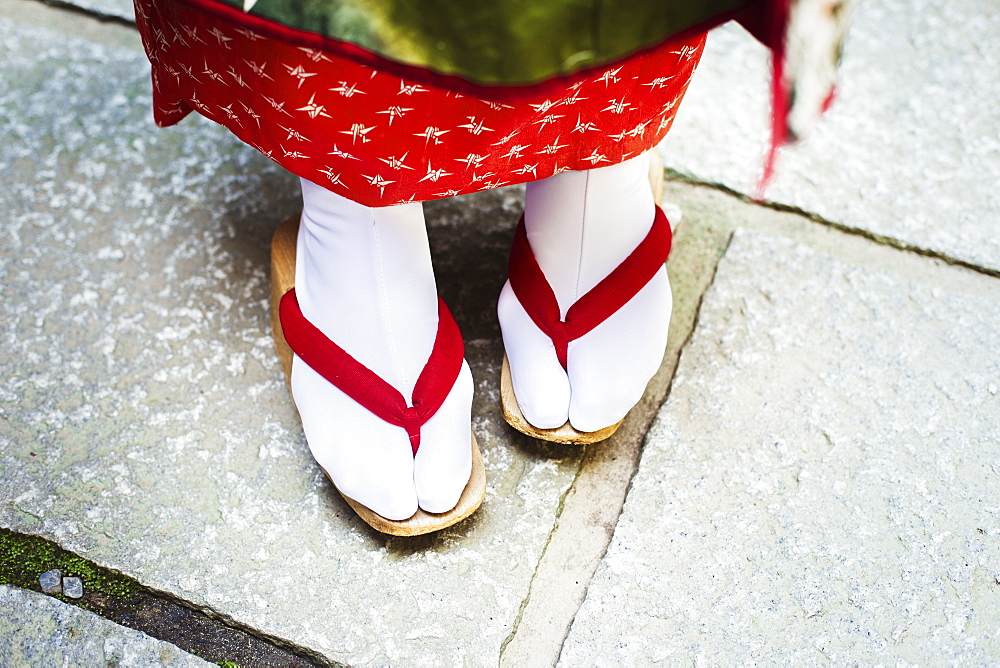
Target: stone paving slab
(821, 484)
(146, 424)
(123, 9)
(38, 630)
(911, 149)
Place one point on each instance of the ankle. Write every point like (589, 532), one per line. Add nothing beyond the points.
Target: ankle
(364, 278)
(581, 225)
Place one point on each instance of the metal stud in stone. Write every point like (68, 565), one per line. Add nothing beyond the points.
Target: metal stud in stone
(73, 587)
(51, 581)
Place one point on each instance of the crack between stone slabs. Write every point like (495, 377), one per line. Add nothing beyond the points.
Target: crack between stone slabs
(694, 325)
(880, 239)
(641, 432)
(541, 558)
(635, 469)
(95, 14)
(122, 599)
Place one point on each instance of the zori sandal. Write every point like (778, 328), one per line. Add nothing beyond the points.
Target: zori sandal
(539, 301)
(294, 333)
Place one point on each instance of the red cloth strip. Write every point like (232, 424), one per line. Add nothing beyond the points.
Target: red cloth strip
(363, 385)
(590, 310)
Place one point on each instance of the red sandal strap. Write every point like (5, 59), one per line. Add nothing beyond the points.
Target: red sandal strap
(363, 385)
(614, 291)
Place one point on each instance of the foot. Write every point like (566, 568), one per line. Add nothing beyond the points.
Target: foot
(581, 226)
(364, 279)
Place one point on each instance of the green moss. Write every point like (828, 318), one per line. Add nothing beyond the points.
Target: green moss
(23, 558)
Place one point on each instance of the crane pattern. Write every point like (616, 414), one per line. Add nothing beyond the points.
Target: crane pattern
(382, 140)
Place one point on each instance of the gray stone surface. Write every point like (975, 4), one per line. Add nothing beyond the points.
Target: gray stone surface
(73, 587)
(146, 423)
(821, 483)
(120, 8)
(51, 582)
(911, 149)
(36, 630)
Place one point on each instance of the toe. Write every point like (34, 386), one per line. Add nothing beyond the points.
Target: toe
(610, 366)
(540, 383)
(443, 462)
(367, 459)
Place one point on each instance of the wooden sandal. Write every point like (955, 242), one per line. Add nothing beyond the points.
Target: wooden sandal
(538, 300)
(351, 377)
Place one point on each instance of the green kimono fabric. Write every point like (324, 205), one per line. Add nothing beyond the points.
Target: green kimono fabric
(491, 42)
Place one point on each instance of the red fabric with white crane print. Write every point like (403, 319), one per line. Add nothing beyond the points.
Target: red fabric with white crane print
(379, 139)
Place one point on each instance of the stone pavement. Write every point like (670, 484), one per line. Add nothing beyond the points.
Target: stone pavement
(37, 630)
(820, 484)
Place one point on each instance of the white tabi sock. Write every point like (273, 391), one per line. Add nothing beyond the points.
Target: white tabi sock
(363, 277)
(581, 225)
